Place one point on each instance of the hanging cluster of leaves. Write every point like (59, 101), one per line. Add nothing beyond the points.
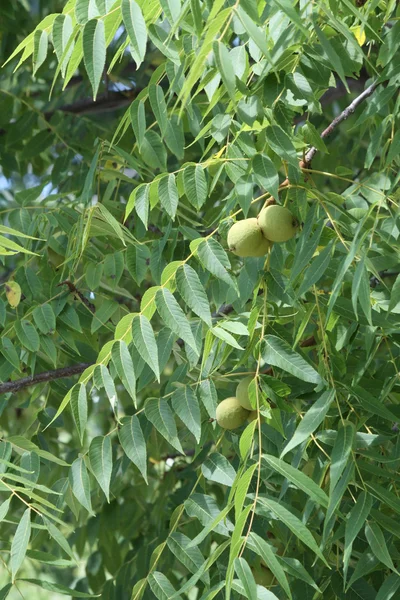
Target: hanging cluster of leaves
(133, 134)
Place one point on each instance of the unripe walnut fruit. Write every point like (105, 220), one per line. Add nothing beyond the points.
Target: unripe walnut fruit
(242, 393)
(277, 223)
(245, 238)
(230, 414)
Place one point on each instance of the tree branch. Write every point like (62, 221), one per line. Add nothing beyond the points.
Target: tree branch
(14, 386)
(340, 118)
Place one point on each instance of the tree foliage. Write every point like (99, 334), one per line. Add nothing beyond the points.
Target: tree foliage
(133, 134)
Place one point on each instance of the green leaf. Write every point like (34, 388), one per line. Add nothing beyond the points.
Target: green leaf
(94, 52)
(5, 591)
(27, 335)
(44, 318)
(192, 291)
(355, 521)
(123, 364)
(360, 290)
(161, 416)
(168, 193)
(138, 120)
(264, 550)
(298, 528)
(299, 479)
(195, 184)
(394, 294)
(153, 151)
(20, 543)
(103, 314)
(136, 28)
(58, 537)
(313, 138)
(145, 343)
(40, 47)
(133, 443)
(266, 174)
(79, 408)
(4, 506)
(80, 484)
(211, 526)
(186, 406)
(287, 7)
(341, 452)
(377, 543)
(246, 577)
(174, 317)
(389, 588)
(61, 34)
(140, 200)
(9, 352)
(172, 9)
(331, 54)
(313, 417)
(103, 379)
(226, 337)
(217, 468)
(262, 592)
(208, 396)
(242, 487)
(372, 404)
(58, 588)
(255, 33)
(100, 457)
(213, 258)
(282, 145)
(278, 353)
(161, 587)
(191, 558)
(159, 106)
(225, 67)
(316, 269)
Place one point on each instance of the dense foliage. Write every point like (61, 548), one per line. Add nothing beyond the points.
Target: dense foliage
(133, 134)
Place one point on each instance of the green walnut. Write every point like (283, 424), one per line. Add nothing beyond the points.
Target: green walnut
(277, 223)
(253, 416)
(242, 393)
(245, 238)
(230, 414)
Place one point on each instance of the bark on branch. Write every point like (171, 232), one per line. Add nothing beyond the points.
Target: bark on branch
(340, 118)
(14, 386)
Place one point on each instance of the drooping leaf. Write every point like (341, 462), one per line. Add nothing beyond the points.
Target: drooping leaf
(133, 443)
(94, 52)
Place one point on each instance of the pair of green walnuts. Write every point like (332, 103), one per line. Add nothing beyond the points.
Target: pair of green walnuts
(254, 237)
(236, 410)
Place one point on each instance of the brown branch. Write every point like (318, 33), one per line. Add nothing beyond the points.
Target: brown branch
(105, 102)
(14, 386)
(74, 290)
(340, 118)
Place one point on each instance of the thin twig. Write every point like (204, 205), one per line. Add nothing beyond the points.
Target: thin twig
(340, 118)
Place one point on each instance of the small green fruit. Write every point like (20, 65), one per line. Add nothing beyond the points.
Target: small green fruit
(277, 223)
(245, 238)
(263, 576)
(242, 393)
(230, 414)
(252, 416)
